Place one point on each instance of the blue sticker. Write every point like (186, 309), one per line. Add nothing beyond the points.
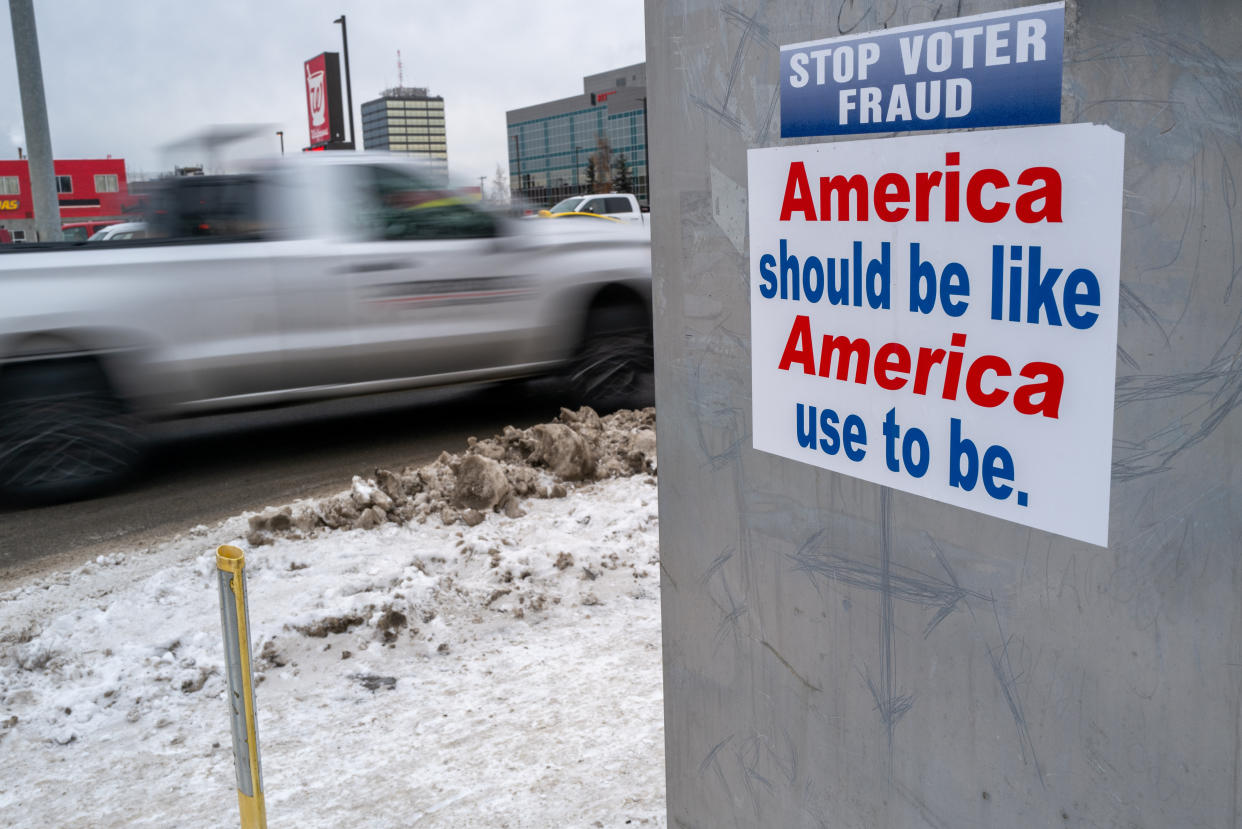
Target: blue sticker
(987, 70)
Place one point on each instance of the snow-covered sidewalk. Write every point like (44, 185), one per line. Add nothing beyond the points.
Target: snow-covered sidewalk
(495, 671)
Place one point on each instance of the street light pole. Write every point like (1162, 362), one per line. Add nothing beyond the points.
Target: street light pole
(517, 156)
(349, 89)
(646, 151)
(281, 133)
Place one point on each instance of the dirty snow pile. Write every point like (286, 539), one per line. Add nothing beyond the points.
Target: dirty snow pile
(475, 643)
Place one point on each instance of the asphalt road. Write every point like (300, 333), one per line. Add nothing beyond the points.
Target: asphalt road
(204, 470)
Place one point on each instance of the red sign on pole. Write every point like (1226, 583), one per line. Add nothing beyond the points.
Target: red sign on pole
(323, 99)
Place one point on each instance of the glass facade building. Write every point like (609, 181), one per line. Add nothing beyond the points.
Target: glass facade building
(408, 121)
(553, 145)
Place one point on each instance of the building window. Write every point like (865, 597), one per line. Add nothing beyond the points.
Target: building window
(106, 183)
(9, 186)
(64, 184)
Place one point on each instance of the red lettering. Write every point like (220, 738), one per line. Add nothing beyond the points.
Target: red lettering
(845, 349)
(927, 358)
(856, 184)
(988, 197)
(797, 194)
(924, 183)
(953, 371)
(890, 188)
(950, 187)
(1041, 395)
(891, 195)
(892, 358)
(974, 195)
(1050, 194)
(1049, 390)
(798, 348)
(974, 381)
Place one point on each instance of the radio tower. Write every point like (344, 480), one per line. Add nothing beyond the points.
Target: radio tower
(400, 78)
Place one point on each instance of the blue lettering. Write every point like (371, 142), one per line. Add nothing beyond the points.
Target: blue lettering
(766, 263)
(1039, 290)
(1081, 288)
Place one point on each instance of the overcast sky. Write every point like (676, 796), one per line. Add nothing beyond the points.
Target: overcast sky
(127, 77)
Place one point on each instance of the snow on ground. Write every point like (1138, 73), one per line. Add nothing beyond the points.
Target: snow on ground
(433, 661)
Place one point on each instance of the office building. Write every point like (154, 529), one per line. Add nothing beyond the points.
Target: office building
(557, 148)
(409, 121)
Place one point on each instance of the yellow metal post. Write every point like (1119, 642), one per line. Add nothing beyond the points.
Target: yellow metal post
(235, 622)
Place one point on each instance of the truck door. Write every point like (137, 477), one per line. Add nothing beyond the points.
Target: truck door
(424, 288)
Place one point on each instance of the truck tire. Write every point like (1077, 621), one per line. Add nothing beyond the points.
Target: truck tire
(63, 433)
(613, 367)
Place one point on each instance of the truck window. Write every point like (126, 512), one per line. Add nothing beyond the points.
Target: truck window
(208, 206)
(396, 204)
(616, 204)
(591, 206)
(568, 205)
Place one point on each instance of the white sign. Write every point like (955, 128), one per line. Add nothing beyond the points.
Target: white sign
(938, 314)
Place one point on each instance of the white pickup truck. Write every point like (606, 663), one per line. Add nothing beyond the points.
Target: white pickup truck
(623, 207)
(323, 276)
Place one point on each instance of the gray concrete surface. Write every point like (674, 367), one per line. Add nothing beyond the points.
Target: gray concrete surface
(842, 655)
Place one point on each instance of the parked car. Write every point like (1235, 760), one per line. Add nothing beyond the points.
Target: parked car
(119, 232)
(623, 207)
(81, 231)
(323, 276)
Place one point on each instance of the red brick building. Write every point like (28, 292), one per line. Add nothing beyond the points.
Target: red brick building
(89, 190)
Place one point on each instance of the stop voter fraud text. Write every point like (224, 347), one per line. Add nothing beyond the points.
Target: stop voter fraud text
(995, 44)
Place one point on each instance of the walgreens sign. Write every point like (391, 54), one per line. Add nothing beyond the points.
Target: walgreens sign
(323, 99)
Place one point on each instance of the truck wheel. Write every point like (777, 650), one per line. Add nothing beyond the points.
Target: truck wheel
(613, 367)
(63, 433)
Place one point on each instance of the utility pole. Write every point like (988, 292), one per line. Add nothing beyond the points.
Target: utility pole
(349, 88)
(646, 154)
(481, 191)
(281, 133)
(34, 118)
(517, 156)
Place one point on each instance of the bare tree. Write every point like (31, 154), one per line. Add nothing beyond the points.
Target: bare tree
(591, 179)
(603, 164)
(621, 175)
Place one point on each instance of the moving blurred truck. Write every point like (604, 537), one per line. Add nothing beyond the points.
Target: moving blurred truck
(326, 275)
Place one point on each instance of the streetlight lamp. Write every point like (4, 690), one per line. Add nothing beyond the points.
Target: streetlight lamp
(281, 133)
(349, 91)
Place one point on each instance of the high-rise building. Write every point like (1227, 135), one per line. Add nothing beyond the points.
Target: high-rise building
(585, 143)
(409, 121)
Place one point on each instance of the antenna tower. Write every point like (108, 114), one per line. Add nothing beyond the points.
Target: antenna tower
(400, 78)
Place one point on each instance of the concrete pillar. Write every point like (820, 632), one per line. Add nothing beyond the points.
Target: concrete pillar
(34, 119)
(839, 654)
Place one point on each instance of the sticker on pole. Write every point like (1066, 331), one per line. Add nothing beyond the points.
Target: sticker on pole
(938, 314)
(986, 70)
